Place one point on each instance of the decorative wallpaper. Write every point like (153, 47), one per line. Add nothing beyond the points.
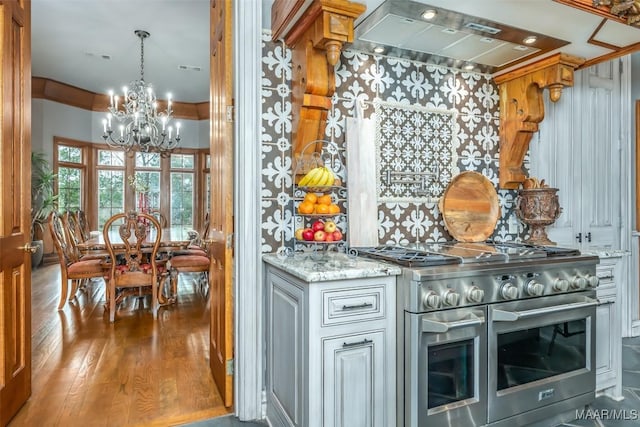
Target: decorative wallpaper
(366, 78)
(417, 151)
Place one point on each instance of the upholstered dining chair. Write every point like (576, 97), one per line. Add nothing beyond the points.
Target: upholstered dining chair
(83, 225)
(133, 240)
(74, 236)
(71, 268)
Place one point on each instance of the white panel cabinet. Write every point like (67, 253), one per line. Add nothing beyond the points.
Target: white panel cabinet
(577, 150)
(608, 329)
(330, 351)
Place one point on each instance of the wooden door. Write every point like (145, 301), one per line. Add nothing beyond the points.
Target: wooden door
(15, 171)
(221, 234)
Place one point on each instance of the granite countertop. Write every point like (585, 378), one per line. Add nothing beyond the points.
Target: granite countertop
(606, 252)
(330, 266)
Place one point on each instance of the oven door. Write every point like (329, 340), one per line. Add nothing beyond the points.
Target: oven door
(445, 374)
(541, 356)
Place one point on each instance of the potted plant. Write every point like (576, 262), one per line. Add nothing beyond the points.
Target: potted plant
(43, 201)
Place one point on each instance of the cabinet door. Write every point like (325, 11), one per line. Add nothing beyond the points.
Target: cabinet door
(286, 326)
(605, 342)
(353, 377)
(577, 150)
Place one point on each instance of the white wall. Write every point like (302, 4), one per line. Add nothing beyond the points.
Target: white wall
(49, 119)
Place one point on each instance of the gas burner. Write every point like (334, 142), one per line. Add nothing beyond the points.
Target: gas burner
(549, 251)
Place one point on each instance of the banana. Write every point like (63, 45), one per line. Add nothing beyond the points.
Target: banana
(320, 182)
(310, 177)
(332, 178)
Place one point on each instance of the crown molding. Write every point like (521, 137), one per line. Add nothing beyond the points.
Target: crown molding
(51, 90)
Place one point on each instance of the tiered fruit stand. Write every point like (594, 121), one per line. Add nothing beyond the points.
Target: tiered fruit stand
(329, 157)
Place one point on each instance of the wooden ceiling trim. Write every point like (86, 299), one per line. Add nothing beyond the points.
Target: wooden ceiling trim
(43, 88)
(592, 40)
(587, 6)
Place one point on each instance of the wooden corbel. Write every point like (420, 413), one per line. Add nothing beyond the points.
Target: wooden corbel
(522, 108)
(316, 35)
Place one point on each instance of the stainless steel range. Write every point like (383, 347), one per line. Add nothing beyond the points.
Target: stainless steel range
(498, 334)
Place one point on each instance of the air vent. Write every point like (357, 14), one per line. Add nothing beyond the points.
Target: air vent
(99, 55)
(189, 68)
(482, 28)
(522, 48)
(449, 31)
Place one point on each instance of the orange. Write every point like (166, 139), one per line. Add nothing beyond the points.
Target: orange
(325, 200)
(334, 209)
(322, 209)
(311, 197)
(306, 207)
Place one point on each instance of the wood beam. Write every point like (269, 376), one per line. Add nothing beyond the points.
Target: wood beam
(317, 38)
(43, 88)
(522, 109)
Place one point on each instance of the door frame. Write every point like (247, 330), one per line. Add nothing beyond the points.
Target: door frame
(248, 304)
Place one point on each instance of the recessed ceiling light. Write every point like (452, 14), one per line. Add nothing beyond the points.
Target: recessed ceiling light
(429, 14)
(530, 40)
(378, 49)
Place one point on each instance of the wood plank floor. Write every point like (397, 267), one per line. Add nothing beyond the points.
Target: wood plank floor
(134, 372)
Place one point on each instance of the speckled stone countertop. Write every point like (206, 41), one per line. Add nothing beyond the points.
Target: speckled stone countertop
(330, 266)
(606, 253)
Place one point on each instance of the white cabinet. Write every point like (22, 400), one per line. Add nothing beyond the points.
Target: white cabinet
(577, 150)
(330, 351)
(608, 329)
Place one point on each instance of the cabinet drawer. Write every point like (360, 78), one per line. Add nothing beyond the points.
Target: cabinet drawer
(606, 275)
(349, 305)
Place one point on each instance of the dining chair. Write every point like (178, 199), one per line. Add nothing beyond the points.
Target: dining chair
(74, 236)
(83, 225)
(161, 218)
(137, 272)
(197, 245)
(71, 268)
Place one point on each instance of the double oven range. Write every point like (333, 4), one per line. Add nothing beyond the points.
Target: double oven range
(498, 334)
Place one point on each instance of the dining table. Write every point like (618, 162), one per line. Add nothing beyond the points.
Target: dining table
(172, 239)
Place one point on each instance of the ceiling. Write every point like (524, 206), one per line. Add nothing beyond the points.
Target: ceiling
(71, 38)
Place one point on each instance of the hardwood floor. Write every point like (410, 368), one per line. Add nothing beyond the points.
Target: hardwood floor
(134, 372)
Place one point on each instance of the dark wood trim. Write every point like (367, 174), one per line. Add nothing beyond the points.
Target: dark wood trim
(587, 6)
(43, 88)
(592, 40)
(613, 55)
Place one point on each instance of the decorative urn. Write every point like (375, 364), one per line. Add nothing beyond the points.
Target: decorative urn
(538, 208)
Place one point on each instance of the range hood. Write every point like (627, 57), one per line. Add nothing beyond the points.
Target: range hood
(398, 28)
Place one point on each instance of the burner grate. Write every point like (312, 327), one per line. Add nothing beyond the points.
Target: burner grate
(407, 257)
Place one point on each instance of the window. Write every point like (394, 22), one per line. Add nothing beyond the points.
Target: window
(111, 169)
(182, 189)
(70, 177)
(97, 179)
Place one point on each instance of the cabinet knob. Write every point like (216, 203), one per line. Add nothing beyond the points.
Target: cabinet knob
(579, 237)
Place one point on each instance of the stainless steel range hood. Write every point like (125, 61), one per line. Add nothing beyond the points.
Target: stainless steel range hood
(397, 28)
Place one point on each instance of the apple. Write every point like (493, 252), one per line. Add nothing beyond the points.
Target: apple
(318, 226)
(330, 226)
(337, 235)
(319, 236)
(328, 237)
(299, 232)
(307, 234)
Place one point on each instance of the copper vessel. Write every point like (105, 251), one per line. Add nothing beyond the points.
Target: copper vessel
(538, 208)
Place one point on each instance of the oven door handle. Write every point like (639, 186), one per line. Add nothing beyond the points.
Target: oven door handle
(434, 326)
(512, 316)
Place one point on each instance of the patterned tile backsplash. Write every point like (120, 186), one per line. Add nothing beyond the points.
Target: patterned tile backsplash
(378, 80)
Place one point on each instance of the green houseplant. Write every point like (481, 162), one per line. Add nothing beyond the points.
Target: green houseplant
(43, 201)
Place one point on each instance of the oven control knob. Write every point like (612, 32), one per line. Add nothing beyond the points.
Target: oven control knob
(579, 282)
(451, 298)
(592, 280)
(560, 285)
(534, 288)
(475, 294)
(509, 291)
(431, 300)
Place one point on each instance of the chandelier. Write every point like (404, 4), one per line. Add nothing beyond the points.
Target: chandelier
(141, 126)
